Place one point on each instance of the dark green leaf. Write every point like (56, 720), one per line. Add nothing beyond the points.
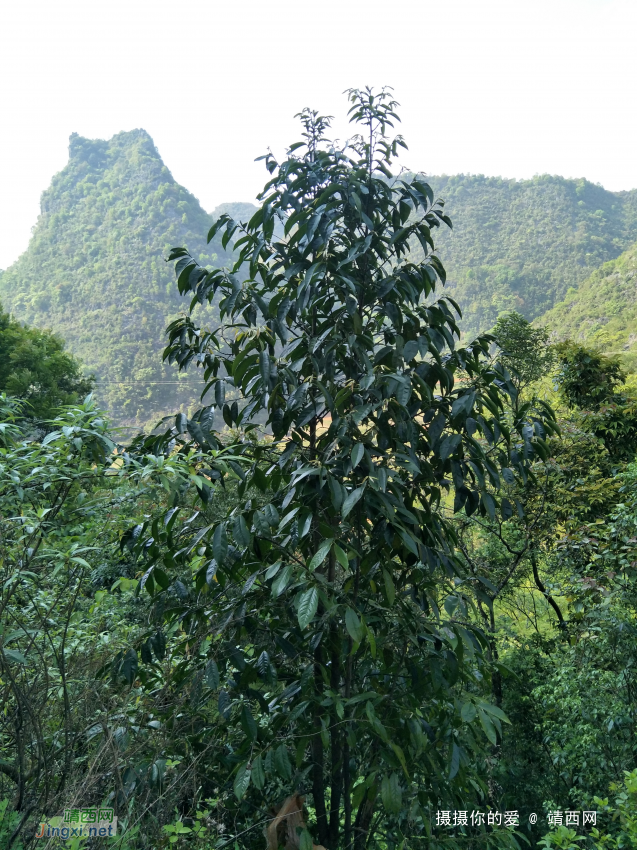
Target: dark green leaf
(308, 605)
(242, 781)
(354, 627)
(282, 763)
(391, 793)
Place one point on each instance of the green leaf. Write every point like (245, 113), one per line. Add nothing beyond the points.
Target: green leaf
(463, 404)
(261, 524)
(282, 580)
(488, 726)
(258, 773)
(358, 794)
(272, 570)
(13, 656)
(403, 392)
(248, 723)
(81, 562)
(401, 757)
(338, 492)
(351, 500)
(306, 842)
(130, 666)
(271, 515)
(496, 712)
(449, 445)
(375, 723)
(468, 712)
(455, 761)
(391, 794)
(241, 532)
(390, 590)
(353, 624)
(320, 555)
(220, 543)
(357, 453)
(282, 763)
(242, 781)
(304, 522)
(489, 503)
(264, 366)
(212, 675)
(341, 556)
(308, 605)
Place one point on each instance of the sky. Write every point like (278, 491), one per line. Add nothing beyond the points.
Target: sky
(511, 88)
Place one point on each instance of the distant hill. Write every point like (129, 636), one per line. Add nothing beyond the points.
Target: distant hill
(521, 244)
(602, 311)
(94, 270)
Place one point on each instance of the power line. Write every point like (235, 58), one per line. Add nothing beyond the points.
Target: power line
(144, 383)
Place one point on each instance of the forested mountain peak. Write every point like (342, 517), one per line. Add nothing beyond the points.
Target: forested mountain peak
(131, 154)
(94, 270)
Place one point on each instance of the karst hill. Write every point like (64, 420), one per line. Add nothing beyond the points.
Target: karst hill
(95, 271)
(521, 244)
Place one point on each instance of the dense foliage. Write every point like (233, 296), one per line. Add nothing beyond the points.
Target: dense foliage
(602, 311)
(35, 367)
(355, 672)
(376, 568)
(522, 245)
(94, 271)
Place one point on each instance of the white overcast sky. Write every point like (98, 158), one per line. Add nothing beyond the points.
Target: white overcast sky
(497, 87)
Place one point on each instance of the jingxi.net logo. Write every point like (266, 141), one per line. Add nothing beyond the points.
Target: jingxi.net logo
(91, 822)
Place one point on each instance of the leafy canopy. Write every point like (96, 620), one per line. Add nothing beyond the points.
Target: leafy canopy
(592, 382)
(525, 350)
(587, 378)
(35, 367)
(327, 608)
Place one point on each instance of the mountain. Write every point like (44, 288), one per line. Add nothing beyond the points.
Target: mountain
(521, 244)
(602, 311)
(94, 270)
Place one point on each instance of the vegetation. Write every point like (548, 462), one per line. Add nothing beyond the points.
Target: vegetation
(376, 578)
(355, 668)
(522, 245)
(35, 368)
(602, 311)
(94, 271)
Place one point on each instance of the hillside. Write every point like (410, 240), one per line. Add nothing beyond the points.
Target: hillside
(521, 244)
(94, 270)
(603, 310)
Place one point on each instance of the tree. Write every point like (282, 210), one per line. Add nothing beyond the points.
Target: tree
(328, 608)
(34, 367)
(525, 350)
(590, 381)
(44, 687)
(587, 378)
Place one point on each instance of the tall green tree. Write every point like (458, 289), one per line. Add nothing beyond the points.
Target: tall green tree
(35, 367)
(592, 382)
(525, 350)
(328, 608)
